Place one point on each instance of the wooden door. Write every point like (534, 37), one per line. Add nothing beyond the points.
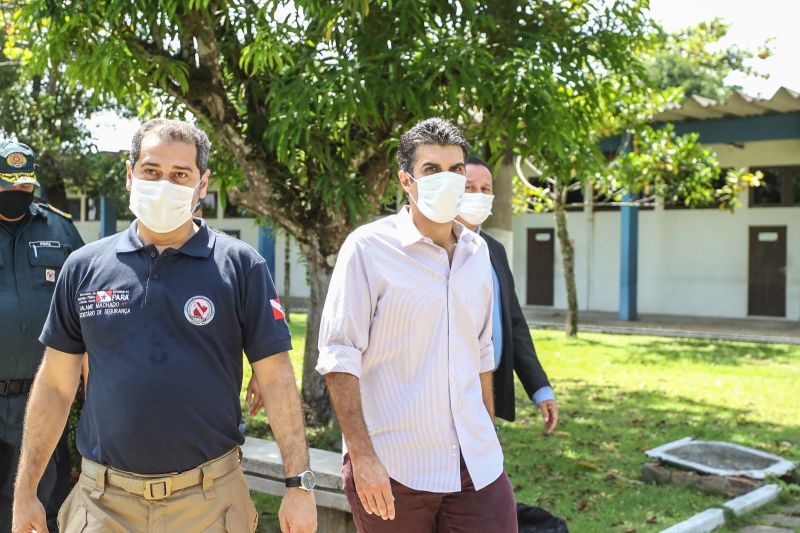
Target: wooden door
(766, 291)
(541, 254)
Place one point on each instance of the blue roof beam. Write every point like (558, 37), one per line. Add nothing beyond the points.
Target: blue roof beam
(771, 127)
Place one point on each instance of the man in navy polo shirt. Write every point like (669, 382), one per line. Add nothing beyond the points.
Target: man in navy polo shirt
(164, 311)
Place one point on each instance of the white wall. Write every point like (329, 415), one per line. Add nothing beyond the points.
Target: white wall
(691, 262)
(696, 262)
(761, 153)
(299, 280)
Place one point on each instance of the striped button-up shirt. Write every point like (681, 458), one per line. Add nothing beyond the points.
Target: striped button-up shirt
(417, 332)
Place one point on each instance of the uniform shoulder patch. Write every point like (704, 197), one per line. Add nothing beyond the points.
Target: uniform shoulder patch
(56, 211)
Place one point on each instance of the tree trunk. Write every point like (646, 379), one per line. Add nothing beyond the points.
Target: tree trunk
(316, 402)
(500, 224)
(287, 275)
(568, 255)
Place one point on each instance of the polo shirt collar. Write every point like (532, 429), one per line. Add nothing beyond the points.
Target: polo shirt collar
(199, 245)
(409, 233)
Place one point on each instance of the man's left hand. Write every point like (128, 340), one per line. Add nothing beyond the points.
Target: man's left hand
(298, 512)
(549, 414)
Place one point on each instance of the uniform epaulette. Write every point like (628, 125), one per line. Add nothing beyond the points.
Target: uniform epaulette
(56, 210)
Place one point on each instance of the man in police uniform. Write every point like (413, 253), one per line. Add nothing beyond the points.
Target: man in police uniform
(35, 239)
(164, 310)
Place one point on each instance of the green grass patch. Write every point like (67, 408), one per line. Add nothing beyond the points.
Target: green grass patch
(620, 395)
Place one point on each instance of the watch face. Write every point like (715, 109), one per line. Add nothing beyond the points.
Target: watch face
(307, 480)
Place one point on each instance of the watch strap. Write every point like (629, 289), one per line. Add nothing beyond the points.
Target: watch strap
(295, 481)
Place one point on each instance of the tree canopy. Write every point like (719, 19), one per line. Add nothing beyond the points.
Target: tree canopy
(44, 111)
(309, 97)
(695, 60)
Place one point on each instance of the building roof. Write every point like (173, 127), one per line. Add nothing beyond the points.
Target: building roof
(738, 105)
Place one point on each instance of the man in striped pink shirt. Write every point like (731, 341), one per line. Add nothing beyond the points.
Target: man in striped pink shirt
(406, 349)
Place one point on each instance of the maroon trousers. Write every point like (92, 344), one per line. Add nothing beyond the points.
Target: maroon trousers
(492, 508)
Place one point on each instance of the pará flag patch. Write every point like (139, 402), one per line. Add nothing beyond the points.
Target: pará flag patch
(277, 309)
(103, 296)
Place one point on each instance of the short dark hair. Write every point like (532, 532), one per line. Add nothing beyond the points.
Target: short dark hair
(174, 130)
(475, 160)
(436, 131)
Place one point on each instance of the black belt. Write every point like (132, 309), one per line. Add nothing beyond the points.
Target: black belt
(15, 386)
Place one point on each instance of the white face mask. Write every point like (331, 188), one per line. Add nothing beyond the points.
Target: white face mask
(160, 205)
(476, 207)
(439, 195)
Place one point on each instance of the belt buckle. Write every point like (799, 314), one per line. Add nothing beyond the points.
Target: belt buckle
(150, 483)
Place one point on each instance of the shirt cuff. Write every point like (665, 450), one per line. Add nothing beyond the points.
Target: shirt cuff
(544, 394)
(339, 358)
(487, 358)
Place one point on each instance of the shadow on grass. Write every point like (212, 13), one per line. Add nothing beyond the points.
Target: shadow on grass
(661, 349)
(587, 472)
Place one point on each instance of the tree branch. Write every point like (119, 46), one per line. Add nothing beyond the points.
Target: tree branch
(207, 98)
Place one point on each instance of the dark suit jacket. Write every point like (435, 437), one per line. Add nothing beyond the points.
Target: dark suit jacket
(518, 353)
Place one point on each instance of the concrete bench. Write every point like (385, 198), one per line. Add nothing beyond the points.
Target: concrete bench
(263, 468)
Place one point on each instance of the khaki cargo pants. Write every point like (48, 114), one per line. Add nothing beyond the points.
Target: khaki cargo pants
(216, 505)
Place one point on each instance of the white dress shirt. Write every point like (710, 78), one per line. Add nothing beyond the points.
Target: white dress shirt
(417, 332)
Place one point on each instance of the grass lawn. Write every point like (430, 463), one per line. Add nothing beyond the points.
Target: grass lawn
(620, 395)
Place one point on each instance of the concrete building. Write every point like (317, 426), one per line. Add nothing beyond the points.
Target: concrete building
(697, 262)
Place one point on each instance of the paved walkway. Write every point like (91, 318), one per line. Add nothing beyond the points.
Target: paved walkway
(785, 520)
(752, 329)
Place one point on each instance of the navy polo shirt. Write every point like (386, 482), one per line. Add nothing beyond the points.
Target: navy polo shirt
(165, 335)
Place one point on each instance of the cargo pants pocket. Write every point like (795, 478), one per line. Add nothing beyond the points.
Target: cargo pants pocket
(241, 520)
(74, 521)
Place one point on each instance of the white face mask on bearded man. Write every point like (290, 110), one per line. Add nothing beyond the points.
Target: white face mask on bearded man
(160, 205)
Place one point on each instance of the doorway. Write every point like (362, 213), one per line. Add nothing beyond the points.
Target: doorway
(766, 291)
(541, 255)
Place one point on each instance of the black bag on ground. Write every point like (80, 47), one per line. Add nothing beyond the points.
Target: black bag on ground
(537, 520)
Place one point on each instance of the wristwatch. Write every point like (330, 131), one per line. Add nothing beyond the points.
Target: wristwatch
(304, 480)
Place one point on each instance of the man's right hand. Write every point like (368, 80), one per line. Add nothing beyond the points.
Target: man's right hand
(253, 398)
(28, 516)
(373, 486)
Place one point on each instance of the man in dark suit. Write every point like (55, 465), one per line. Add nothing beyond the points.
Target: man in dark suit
(514, 350)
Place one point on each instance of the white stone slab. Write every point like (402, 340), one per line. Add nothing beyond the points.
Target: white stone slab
(773, 465)
(708, 520)
(753, 499)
